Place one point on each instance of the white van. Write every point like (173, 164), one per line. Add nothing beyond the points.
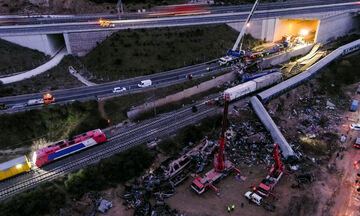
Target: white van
(253, 197)
(145, 83)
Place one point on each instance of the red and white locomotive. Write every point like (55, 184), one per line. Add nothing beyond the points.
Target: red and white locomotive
(66, 147)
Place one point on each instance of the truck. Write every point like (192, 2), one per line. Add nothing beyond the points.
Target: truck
(222, 166)
(275, 173)
(144, 83)
(106, 23)
(258, 200)
(268, 184)
(354, 105)
(227, 60)
(47, 99)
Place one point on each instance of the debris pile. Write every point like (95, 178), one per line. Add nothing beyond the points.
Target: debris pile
(160, 183)
(104, 206)
(249, 143)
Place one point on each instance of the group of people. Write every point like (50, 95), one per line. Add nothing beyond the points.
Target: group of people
(229, 209)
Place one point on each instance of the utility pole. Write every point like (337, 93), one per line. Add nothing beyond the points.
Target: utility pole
(120, 8)
(154, 103)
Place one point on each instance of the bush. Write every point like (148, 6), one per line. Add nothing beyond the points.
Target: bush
(192, 134)
(42, 201)
(116, 169)
(169, 146)
(51, 123)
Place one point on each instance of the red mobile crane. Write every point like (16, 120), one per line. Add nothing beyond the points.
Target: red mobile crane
(275, 173)
(221, 166)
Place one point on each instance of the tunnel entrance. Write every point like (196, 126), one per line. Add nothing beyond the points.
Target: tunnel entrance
(55, 42)
(302, 29)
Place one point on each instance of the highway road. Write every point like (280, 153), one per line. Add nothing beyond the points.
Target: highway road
(224, 15)
(102, 90)
(47, 19)
(121, 140)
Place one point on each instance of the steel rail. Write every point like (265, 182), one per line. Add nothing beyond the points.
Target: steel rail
(114, 148)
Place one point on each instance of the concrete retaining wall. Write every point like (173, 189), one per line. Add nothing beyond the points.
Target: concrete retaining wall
(181, 95)
(259, 28)
(285, 57)
(80, 43)
(48, 44)
(336, 26)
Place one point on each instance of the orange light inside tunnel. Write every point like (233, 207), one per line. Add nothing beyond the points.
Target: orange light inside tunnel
(304, 32)
(296, 28)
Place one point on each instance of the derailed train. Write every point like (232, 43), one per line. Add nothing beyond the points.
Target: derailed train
(66, 147)
(309, 73)
(51, 153)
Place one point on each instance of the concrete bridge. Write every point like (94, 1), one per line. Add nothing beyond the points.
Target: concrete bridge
(325, 22)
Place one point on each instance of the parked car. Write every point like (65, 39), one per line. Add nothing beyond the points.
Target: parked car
(355, 126)
(119, 89)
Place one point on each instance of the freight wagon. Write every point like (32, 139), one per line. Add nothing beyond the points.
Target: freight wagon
(14, 167)
(253, 85)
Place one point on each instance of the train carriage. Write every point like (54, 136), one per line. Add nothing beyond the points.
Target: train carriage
(14, 167)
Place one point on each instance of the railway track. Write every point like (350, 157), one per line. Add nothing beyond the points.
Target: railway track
(133, 136)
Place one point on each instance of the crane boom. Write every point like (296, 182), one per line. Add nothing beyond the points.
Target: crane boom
(219, 158)
(242, 32)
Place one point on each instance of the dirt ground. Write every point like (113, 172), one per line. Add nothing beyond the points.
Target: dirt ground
(314, 130)
(232, 192)
(325, 196)
(333, 192)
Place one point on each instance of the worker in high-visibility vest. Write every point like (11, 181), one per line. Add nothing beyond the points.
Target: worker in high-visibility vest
(228, 209)
(232, 207)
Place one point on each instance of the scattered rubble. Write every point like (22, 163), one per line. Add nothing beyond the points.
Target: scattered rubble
(104, 206)
(160, 183)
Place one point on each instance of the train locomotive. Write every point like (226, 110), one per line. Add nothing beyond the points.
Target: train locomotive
(63, 148)
(14, 167)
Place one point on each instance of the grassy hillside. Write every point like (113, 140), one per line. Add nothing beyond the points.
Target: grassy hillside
(15, 58)
(55, 78)
(59, 122)
(131, 53)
